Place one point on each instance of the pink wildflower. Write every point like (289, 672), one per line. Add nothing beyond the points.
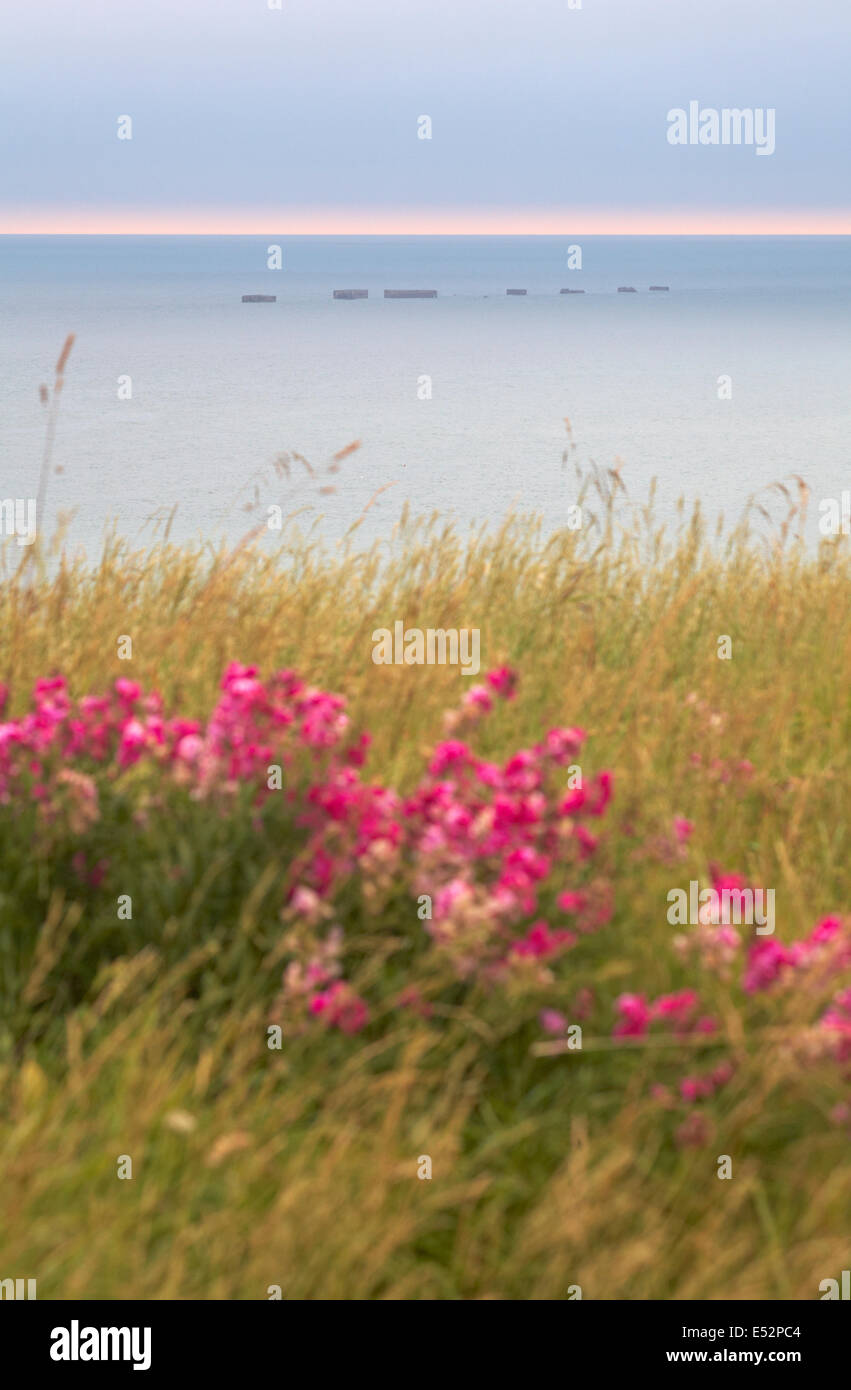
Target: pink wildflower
(635, 1016)
(503, 681)
(340, 1007)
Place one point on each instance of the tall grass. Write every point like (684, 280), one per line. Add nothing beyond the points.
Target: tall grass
(298, 1167)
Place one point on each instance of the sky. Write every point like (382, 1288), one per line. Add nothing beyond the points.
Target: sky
(307, 118)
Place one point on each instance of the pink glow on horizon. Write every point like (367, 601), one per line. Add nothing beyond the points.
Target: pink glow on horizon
(428, 222)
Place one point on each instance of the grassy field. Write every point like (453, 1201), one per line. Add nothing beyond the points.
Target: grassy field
(297, 1167)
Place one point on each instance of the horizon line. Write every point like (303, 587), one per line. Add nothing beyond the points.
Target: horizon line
(451, 222)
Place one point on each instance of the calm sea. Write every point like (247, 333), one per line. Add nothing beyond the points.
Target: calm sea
(459, 402)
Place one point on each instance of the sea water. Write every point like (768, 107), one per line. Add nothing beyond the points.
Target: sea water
(179, 396)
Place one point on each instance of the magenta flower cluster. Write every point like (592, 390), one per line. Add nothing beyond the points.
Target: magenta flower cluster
(500, 860)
